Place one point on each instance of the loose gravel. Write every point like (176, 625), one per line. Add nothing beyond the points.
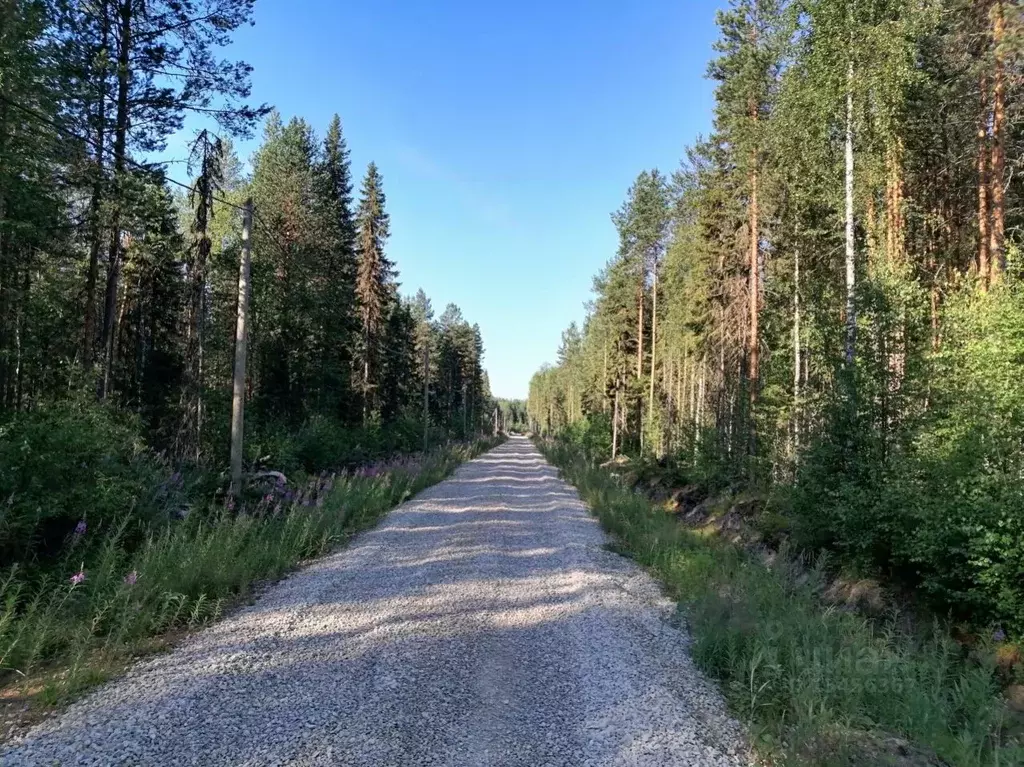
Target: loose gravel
(483, 623)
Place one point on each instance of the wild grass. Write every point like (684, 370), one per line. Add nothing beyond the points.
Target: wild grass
(105, 600)
(817, 685)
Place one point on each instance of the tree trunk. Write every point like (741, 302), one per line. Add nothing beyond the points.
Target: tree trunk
(426, 392)
(983, 210)
(640, 327)
(796, 355)
(851, 277)
(615, 425)
(19, 338)
(604, 378)
(654, 347)
(753, 339)
(120, 149)
(997, 178)
(96, 200)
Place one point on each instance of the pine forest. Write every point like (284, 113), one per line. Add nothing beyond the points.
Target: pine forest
(823, 303)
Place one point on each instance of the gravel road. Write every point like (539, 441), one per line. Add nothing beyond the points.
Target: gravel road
(482, 623)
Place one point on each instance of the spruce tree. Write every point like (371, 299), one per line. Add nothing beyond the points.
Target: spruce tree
(375, 289)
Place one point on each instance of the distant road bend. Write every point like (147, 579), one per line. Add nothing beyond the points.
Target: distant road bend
(482, 623)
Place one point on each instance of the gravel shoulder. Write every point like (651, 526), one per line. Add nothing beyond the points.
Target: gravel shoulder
(482, 623)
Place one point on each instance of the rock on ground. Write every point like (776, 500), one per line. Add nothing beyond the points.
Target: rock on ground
(483, 623)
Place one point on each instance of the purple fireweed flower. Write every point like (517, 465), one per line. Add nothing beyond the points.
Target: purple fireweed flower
(78, 577)
(80, 527)
(131, 577)
(268, 497)
(999, 635)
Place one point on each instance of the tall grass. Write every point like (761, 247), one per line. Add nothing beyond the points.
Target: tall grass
(818, 685)
(104, 599)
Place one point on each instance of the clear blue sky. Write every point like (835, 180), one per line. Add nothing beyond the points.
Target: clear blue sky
(506, 134)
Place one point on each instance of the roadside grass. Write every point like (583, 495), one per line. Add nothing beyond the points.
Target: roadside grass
(81, 622)
(816, 684)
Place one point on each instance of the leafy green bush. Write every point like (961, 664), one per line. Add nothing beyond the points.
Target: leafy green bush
(321, 444)
(942, 509)
(76, 464)
(592, 435)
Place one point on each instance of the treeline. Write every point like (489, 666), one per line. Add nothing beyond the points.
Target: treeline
(512, 415)
(119, 285)
(825, 300)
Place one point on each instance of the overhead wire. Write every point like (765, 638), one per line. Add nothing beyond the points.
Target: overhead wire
(141, 166)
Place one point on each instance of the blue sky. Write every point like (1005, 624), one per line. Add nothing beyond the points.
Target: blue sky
(506, 134)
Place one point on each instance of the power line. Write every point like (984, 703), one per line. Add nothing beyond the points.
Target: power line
(140, 166)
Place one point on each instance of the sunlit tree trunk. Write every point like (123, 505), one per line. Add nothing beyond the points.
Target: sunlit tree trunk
(851, 276)
(997, 177)
(796, 355)
(983, 210)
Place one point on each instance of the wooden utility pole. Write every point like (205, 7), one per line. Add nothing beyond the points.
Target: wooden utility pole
(426, 394)
(241, 348)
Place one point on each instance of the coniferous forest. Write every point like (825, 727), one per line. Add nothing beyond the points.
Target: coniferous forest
(822, 306)
(120, 298)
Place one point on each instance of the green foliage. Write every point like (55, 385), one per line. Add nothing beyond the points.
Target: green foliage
(321, 444)
(820, 686)
(76, 462)
(108, 598)
(939, 509)
(871, 384)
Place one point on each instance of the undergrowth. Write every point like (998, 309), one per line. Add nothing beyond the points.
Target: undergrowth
(818, 685)
(104, 601)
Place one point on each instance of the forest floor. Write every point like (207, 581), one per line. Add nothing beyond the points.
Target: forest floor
(484, 622)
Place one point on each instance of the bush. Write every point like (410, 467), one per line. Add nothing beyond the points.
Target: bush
(72, 463)
(940, 507)
(322, 443)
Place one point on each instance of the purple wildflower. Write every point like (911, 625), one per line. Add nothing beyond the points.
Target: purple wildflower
(268, 497)
(230, 504)
(999, 635)
(131, 577)
(78, 577)
(80, 527)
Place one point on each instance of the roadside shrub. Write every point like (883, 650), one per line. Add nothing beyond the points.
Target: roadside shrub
(108, 599)
(942, 508)
(321, 443)
(76, 464)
